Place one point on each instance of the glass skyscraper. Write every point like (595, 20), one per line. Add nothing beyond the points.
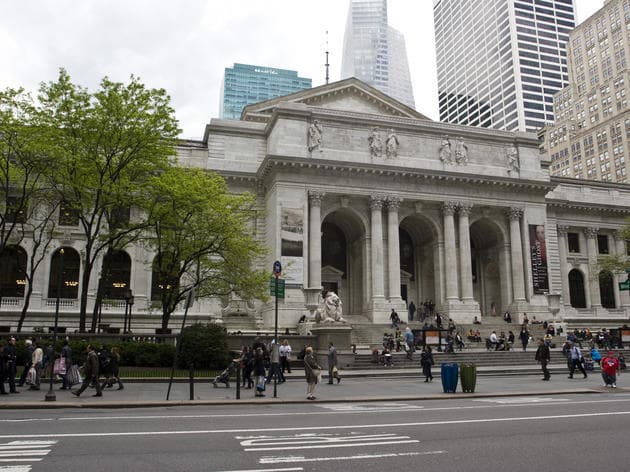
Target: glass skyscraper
(500, 62)
(245, 84)
(375, 52)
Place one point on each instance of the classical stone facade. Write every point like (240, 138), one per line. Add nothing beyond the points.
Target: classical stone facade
(448, 217)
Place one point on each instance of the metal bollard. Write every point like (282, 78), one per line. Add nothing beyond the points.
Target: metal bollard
(191, 381)
(238, 381)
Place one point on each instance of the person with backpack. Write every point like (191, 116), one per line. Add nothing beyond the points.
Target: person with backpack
(90, 370)
(577, 360)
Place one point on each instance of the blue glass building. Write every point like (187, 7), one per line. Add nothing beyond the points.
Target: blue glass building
(245, 84)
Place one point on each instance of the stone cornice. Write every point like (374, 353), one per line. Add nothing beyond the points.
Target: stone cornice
(361, 169)
(588, 207)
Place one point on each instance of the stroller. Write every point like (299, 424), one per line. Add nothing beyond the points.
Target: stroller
(224, 377)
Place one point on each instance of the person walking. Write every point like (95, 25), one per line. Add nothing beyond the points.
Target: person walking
(3, 369)
(312, 370)
(66, 355)
(259, 371)
(412, 310)
(543, 356)
(274, 369)
(610, 366)
(113, 374)
(28, 363)
(90, 370)
(10, 357)
(524, 337)
(577, 360)
(333, 371)
(409, 340)
(426, 361)
(285, 357)
(247, 364)
(36, 361)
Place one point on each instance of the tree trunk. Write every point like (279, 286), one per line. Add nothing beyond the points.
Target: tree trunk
(84, 293)
(27, 300)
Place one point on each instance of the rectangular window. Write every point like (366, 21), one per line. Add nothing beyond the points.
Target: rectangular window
(68, 216)
(573, 241)
(15, 212)
(602, 244)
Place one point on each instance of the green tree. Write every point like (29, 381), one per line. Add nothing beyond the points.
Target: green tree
(203, 239)
(107, 145)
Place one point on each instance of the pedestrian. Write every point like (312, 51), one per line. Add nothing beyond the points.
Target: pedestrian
(113, 372)
(577, 360)
(426, 361)
(247, 365)
(66, 355)
(524, 336)
(259, 371)
(36, 361)
(412, 310)
(27, 360)
(10, 357)
(285, 356)
(90, 372)
(610, 366)
(333, 371)
(395, 319)
(274, 368)
(543, 356)
(409, 341)
(595, 355)
(312, 370)
(3, 369)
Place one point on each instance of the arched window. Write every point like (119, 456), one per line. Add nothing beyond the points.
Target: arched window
(576, 289)
(69, 276)
(606, 290)
(116, 275)
(12, 272)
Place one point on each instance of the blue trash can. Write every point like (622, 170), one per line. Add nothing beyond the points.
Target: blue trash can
(450, 374)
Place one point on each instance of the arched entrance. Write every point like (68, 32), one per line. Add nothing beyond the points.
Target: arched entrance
(576, 289)
(69, 274)
(419, 261)
(606, 290)
(343, 259)
(12, 272)
(489, 267)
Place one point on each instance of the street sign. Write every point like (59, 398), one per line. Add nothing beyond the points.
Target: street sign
(272, 287)
(277, 268)
(625, 285)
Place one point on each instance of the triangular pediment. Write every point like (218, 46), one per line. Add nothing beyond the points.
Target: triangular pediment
(352, 95)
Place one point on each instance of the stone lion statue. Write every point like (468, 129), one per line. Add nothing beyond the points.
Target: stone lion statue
(330, 311)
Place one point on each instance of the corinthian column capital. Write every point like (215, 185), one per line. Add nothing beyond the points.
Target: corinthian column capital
(315, 197)
(515, 213)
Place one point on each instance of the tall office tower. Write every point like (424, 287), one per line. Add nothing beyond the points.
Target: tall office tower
(501, 61)
(589, 139)
(375, 52)
(246, 84)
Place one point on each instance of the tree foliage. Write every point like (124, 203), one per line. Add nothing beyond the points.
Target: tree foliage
(107, 146)
(202, 238)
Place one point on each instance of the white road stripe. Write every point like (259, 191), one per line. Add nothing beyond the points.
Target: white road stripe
(20, 460)
(288, 414)
(311, 438)
(330, 446)
(315, 428)
(279, 460)
(15, 468)
(30, 452)
(295, 469)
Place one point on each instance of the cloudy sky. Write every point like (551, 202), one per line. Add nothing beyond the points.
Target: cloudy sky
(184, 46)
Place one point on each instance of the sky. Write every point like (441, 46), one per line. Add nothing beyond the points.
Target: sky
(184, 46)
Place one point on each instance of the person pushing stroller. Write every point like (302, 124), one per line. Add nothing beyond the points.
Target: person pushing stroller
(224, 377)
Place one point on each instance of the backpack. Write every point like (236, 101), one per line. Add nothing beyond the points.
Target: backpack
(104, 361)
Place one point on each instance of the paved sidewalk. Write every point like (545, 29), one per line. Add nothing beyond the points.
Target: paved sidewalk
(354, 386)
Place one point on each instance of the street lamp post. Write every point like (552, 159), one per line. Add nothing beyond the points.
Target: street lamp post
(128, 304)
(50, 395)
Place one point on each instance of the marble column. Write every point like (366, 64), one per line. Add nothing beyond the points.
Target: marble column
(593, 275)
(564, 265)
(393, 247)
(315, 239)
(621, 251)
(464, 251)
(516, 252)
(450, 251)
(376, 205)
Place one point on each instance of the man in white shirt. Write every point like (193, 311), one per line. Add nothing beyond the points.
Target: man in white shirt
(36, 361)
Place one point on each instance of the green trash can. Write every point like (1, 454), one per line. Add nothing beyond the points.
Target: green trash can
(468, 376)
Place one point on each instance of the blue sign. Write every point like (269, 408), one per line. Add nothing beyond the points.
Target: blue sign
(277, 268)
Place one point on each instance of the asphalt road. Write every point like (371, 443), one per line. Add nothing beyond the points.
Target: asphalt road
(543, 433)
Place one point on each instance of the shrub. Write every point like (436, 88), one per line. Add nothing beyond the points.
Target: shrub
(205, 346)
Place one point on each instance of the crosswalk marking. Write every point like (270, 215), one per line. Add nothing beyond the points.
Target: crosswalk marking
(510, 400)
(23, 451)
(289, 459)
(371, 407)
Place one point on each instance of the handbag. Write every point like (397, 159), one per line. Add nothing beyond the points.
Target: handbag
(317, 372)
(59, 367)
(335, 372)
(74, 377)
(31, 377)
